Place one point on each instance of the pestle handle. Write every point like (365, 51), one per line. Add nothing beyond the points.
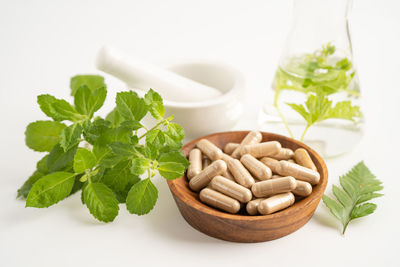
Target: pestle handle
(141, 75)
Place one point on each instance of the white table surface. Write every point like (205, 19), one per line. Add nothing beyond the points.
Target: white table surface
(44, 43)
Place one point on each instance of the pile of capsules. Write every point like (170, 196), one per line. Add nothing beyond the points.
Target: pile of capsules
(262, 175)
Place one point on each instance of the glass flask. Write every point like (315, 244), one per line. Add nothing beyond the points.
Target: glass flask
(315, 94)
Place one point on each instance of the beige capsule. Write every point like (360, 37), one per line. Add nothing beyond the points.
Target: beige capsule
(256, 167)
(218, 200)
(230, 147)
(271, 163)
(260, 150)
(196, 163)
(275, 203)
(209, 149)
(241, 174)
(302, 189)
(226, 157)
(251, 206)
(206, 162)
(202, 179)
(303, 158)
(231, 189)
(252, 137)
(274, 186)
(283, 154)
(298, 172)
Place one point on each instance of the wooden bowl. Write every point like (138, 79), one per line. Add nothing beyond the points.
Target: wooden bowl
(241, 227)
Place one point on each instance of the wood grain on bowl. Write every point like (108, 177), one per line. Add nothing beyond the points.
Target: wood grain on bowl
(245, 228)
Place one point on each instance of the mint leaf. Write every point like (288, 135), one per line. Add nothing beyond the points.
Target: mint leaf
(154, 104)
(131, 125)
(65, 111)
(59, 159)
(92, 131)
(50, 189)
(118, 176)
(87, 102)
(172, 165)
(41, 170)
(155, 137)
(100, 201)
(41, 165)
(119, 134)
(23, 191)
(100, 151)
(359, 185)
(122, 194)
(114, 117)
(174, 135)
(171, 170)
(43, 135)
(122, 149)
(93, 82)
(84, 160)
(142, 197)
(174, 156)
(140, 165)
(70, 135)
(131, 106)
(344, 110)
(45, 102)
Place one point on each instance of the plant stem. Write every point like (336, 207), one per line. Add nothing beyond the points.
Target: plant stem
(280, 113)
(304, 132)
(158, 124)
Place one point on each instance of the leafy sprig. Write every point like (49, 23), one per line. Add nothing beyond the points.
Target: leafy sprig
(318, 75)
(318, 108)
(104, 158)
(358, 186)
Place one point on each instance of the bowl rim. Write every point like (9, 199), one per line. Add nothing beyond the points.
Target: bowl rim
(315, 195)
(231, 95)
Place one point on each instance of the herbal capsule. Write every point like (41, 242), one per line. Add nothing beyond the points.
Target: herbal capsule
(252, 137)
(283, 153)
(202, 179)
(275, 203)
(298, 172)
(302, 189)
(242, 176)
(230, 147)
(259, 170)
(274, 186)
(206, 163)
(271, 163)
(195, 166)
(251, 206)
(220, 201)
(225, 157)
(303, 158)
(227, 174)
(209, 149)
(262, 149)
(231, 189)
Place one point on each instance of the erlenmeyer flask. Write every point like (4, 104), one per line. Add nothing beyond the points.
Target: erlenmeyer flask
(315, 94)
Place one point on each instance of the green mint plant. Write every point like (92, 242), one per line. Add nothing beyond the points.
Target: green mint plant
(111, 160)
(318, 75)
(358, 186)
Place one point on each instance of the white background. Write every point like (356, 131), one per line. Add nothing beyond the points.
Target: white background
(44, 43)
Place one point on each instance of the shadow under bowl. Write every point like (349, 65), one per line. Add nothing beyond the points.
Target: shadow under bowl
(241, 227)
